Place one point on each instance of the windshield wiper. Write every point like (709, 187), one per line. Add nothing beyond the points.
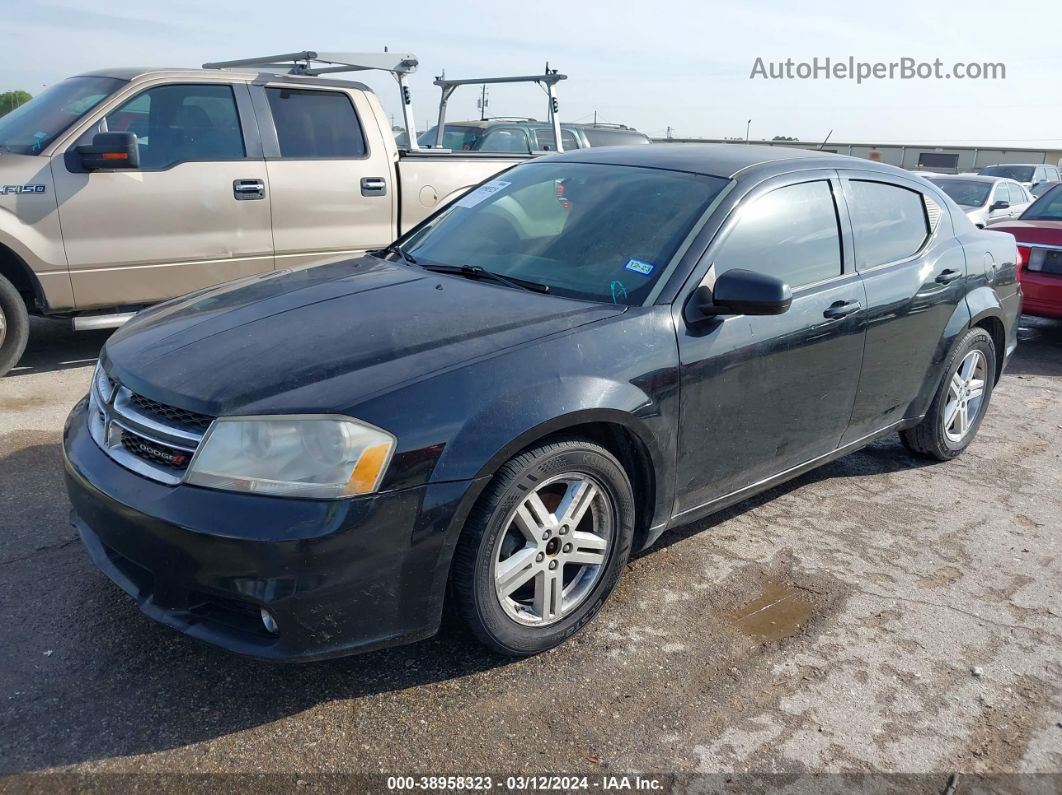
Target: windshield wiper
(403, 255)
(476, 272)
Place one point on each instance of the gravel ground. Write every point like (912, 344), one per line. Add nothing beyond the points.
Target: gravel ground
(879, 614)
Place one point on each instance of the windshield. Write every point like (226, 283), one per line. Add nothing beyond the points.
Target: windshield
(456, 138)
(31, 127)
(967, 192)
(1047, 208)
(1016, 173)
(597, 232)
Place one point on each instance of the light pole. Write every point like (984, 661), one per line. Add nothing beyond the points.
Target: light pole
(748, 125)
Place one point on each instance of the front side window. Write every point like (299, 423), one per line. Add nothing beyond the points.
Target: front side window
(181, 123)
(597, 232)
(1001, 193)
(29, 128)
(320, 124)
(791, 233)
(889, 222)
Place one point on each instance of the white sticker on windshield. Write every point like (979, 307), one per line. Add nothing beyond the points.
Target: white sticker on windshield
(482, 192)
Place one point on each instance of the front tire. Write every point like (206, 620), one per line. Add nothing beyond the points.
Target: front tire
(14, 326)
(960, 403)
(544, 547)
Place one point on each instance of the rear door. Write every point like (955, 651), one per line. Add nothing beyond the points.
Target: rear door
(329, 173)
(182, 220)
(914, 272)
(761, 395)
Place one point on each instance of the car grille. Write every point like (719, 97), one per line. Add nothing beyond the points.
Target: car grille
(188, 419)
(159, 454)
(153, 439)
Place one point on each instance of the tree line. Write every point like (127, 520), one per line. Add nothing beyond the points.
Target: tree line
(9, 100)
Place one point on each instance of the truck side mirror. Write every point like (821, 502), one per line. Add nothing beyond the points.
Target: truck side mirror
(110, 150)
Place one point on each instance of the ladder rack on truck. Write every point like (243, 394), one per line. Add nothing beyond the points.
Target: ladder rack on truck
(314, 63)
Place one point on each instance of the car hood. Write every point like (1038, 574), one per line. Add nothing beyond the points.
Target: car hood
(322, 339)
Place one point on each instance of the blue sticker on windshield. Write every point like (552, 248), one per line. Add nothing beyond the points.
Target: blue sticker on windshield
(638, 266)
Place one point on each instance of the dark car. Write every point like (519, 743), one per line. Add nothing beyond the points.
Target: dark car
(535, 382)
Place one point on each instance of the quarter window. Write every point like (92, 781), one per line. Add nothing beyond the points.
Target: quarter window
(544, 139)
(889, 222)
(180, 123)
(319, 124)
(791, 233)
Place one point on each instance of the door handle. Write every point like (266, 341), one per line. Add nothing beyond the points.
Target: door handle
(373, 186)
(948, 276)
(839, 309)
(245, 189)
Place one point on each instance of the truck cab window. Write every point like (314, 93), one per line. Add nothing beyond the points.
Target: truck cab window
(316, 124)
(181, 123)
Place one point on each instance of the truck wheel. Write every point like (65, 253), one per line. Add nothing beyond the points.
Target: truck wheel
(545, 546)
(961, 402)
(14, 326)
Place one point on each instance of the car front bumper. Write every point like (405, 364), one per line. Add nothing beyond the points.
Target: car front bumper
(338, 577)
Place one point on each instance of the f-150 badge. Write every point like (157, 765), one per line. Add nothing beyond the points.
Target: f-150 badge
(6, 189)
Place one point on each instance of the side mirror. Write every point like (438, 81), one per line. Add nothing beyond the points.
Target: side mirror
(741, 292)
(1000, 205)
(110, 150)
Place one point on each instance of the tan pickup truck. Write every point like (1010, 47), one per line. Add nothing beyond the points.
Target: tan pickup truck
(122, 188)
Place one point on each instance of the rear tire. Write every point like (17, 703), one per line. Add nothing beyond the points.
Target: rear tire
(544, 547)
(14, 326)
(960, 404)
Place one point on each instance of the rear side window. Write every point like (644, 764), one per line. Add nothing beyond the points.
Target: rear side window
(889, 222)
(505, 140)
(319, 124)
(544, 139)
(791, 233)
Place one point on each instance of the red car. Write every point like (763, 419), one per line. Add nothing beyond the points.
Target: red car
(1038, 232)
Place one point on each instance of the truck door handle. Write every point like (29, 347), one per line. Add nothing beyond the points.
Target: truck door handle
(948, 276)
(839, 309)
(373, 186)
(245, 189)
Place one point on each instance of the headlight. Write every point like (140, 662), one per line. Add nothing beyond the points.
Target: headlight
(321, 457)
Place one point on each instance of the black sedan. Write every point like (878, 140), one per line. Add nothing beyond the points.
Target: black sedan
(544, 376)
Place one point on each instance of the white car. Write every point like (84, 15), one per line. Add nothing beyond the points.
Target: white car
(985, 200)
(1028, 174)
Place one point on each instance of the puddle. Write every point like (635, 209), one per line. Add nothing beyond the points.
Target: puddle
(781, 611)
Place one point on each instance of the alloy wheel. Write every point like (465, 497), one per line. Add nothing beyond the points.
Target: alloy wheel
(553, 549)
(966, 393)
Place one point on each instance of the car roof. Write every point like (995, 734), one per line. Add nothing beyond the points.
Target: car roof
(1020, 165)
(970, 177)
(720, 160)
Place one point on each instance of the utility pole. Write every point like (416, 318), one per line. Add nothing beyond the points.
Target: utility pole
(483, 103)
(595, 118)
(748, 126)
(669, 129)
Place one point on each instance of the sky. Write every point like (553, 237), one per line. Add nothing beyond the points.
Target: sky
(679, 65)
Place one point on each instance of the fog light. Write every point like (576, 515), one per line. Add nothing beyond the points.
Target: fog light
(269, 622)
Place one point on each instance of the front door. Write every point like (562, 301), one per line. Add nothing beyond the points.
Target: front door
(179, 222)
(761, 395)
